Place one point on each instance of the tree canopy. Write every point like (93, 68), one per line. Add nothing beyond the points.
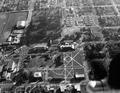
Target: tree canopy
(45, 25)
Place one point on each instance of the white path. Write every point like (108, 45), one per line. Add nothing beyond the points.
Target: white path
(30, 11)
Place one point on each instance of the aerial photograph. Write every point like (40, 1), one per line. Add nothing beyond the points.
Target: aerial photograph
(59, 46)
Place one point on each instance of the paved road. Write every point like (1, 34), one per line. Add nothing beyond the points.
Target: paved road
(30, 9)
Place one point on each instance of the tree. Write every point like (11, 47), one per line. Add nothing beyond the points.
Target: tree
(44, 26)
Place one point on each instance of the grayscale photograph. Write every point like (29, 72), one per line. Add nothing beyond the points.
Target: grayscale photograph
(59, 46)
